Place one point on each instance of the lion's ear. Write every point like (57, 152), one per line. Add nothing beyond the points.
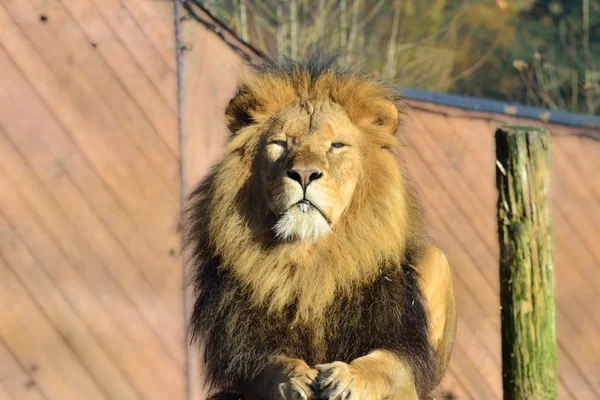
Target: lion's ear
(386, 115)
(238, 113)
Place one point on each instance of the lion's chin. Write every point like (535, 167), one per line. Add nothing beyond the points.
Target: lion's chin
(302, 222)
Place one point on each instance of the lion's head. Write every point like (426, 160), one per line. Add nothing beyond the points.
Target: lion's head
(318, 130)
(309, 196)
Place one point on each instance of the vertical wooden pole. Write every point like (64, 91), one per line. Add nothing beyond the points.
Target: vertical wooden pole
(529, 362)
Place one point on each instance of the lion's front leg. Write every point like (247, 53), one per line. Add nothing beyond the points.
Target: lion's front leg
(376, 376)
(286, 379)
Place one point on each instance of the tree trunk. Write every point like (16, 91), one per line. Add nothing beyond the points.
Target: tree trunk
(390, 66)
(589, 93)
(243, 20)
(353, 30)
(320, 20)
(281, 29)
(293, 28)
(343, 23)
(529, 363)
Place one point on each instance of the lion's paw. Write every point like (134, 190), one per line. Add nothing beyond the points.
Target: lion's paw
(300, 386)
(340, 381)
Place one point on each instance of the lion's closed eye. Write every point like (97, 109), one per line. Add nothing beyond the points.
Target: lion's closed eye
(337, 147)
(280, 143)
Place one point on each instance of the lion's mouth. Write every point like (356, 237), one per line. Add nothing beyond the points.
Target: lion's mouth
(303, 220)
(305, 205)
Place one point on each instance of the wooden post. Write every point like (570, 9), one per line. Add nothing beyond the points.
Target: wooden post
(529, 362)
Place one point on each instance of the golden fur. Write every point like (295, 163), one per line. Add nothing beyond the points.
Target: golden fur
(359, 217)
(352, 255)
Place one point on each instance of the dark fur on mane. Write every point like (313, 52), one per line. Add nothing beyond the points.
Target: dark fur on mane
(240, 339)
(316, 63)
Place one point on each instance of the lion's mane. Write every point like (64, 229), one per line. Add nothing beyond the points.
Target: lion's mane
(257, 297)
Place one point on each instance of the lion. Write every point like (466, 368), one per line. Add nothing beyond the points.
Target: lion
(313, 273)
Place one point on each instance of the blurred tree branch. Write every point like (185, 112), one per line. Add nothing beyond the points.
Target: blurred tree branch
(464, 46)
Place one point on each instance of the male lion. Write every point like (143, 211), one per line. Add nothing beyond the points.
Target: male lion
(313, 274)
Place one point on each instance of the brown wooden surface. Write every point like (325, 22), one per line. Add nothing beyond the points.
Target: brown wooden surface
(527, 287)
(90, 276)
(207, 85)
(91, 299)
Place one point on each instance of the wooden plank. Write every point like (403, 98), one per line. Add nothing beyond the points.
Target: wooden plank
(17, 382)
(118, 169)
(529, 345)
(483, 193)
(132, 37)
(580, 298)
(481, 133)
(105, 250)
(458, 230)
(450, 222)
(563, 392)
(476, 369)
(463, 193)
(34, 341)
(481, 140)
(84, 280)
(483, 188)
(129, 72)
(446, 134)
(476, 299)
(25, 133)
(482, 148)
(575, 292)
(577, 141)
(572, 369)
(164, 10)
(573, 207)
(578, 201)
(452, 386)
(61, 314)
(207, 84)
(75, 61)
(485, 328)
(210, 72)
(128, 282)
(158, 26)
(4, 393)
(56, 154)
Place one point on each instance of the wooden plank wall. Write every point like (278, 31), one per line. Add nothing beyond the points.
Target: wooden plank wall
(207, 69)
(451, 155)
(91, 174)
(90, 276)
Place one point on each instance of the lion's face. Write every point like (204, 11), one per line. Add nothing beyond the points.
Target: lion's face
(317, 144)
(310, 164)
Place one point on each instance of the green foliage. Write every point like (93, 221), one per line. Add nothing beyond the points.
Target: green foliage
(537, 52)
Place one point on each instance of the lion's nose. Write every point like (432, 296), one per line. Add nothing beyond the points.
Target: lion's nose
(304, 176)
